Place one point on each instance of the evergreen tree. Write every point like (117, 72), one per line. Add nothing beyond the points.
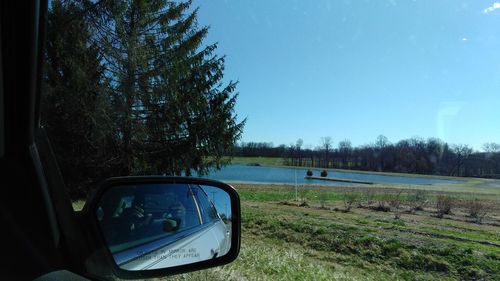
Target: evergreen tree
(174, 114)
(75, 105)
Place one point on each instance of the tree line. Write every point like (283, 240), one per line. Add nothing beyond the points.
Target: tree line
(132, 89)
(414, 155)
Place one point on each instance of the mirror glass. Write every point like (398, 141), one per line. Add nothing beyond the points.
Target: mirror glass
(154, 226)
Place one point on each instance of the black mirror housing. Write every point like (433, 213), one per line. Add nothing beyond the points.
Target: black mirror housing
(134, 251)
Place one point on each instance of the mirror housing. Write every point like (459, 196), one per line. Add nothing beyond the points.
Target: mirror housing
(130, 258)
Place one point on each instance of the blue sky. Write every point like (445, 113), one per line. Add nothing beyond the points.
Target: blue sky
(357, 69)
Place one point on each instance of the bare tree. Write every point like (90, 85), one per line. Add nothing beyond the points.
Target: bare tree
(462, 152)
(491, 147)
(381, 146)
(382, 141)
(298, 146)
(326, 145)
(345, 150)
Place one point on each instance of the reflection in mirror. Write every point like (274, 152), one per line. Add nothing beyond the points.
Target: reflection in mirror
(153, 226)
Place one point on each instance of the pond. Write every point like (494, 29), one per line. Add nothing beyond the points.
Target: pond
(283, 175)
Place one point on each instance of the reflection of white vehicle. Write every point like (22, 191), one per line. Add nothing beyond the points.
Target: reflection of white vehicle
(182, 226)
(198, 245)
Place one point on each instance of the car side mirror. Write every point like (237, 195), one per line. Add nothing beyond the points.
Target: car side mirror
(158, 226)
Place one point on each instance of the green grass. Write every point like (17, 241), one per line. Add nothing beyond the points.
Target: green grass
(277, 192)
(288, 242)
(264, 161)
(258, 262)
(283, 241)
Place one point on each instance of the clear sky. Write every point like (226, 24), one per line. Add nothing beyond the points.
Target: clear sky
(357, 69)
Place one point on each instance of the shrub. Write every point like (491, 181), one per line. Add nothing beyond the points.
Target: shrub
(303, 193)
(473, 273)
(350, 197)
(324, 173)
(369, 196)
(382, 203)
(444, 203)
(418, 200)
(309, 173)
(477, 210)
(394, 201)
(381, 207)
(322, 199)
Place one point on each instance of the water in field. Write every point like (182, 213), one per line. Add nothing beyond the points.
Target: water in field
(266, 174)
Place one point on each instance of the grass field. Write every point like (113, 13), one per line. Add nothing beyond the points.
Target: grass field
(264, 161)
(315, 238)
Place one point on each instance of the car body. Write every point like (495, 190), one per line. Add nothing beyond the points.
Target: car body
(188, 246)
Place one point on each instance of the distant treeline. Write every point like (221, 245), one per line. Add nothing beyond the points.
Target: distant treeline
(414, 155)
